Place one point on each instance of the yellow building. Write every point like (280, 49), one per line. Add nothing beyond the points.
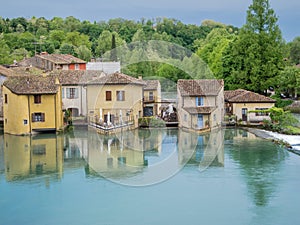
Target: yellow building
(114, 101)
(32, 104)
(200, 104)
(26, 156)
(152, 98)
(240, 102)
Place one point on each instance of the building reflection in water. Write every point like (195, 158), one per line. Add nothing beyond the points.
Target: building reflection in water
(30, 156)
(133, 153)
(128, 154)
(204, 150)
(2, 164)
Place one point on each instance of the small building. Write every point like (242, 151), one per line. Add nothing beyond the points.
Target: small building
(50, 62)
(32, 104)
(152, 98)
(114, 101)
(106, 67)
(200, 104)
(239, 102)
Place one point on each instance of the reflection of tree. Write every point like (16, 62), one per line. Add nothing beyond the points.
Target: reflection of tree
(260, 162)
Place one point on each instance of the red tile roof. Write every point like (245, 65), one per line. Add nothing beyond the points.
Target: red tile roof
(115, 78)
(151, 85)
(5, 71)
(77, 77)
(34, 84)
(241, 95)
(61, 58)
(205, 87)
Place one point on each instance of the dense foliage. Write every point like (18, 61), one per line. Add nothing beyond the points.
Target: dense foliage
(254, 57)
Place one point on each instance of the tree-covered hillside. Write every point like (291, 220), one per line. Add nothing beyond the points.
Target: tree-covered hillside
(254, 57)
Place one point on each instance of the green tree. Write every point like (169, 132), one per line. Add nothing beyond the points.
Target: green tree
(57, 37)
(84, 53)
(104, 42)
(213, 48)
(289, 82)
(257, 54)
(77, 39)
(67, 48)
(295, 50)
(113, 53)
(5, 57)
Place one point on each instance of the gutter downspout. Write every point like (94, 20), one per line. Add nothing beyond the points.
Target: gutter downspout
(29, 112)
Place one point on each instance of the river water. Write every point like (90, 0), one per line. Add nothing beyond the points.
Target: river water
(147, 177)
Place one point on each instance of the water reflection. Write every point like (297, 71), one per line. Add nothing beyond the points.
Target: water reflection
(30, 156)
(142, 157)
(150, 155)
(260, 163)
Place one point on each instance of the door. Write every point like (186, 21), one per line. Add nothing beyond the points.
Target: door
(200, 121)
(244, 114)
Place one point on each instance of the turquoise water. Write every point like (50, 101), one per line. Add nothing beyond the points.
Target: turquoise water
(147, 177)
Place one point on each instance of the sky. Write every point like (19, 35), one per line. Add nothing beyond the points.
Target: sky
(232, 12)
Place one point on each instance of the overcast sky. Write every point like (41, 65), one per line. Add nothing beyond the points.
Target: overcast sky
(188, 11)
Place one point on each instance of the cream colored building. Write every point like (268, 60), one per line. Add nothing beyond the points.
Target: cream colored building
(240, 102)
(114, 101)
(202, 149)
(200, 104)
(152, 98)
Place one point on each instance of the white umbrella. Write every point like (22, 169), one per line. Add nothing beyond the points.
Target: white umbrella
(101, 112)
(121, 120)
(108, 118)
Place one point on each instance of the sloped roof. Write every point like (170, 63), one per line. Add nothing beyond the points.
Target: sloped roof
(77, 77)
(201, 110)
(115, 78)
(61, 58)
(204, 87)
(241, 95)
(33, 84)
(151, 85)
(5, 71)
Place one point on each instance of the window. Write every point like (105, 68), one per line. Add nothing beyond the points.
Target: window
(39, 149)
(72, 93)
(120, 95)
(38, 117)
(151, 96)
(5, 98)
(199, 101)
(261, 113)
(25, 122)
(76, 66)
(108, 95)
(37, 99)
(63, 93)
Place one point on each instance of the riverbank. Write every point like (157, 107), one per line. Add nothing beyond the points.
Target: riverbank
(292, 142)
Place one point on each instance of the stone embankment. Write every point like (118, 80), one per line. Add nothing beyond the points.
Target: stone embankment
(292, 142)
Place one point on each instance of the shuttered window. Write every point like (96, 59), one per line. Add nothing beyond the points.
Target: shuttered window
(72, 93)
(37, 99)
(108, 95)
(38, 117)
